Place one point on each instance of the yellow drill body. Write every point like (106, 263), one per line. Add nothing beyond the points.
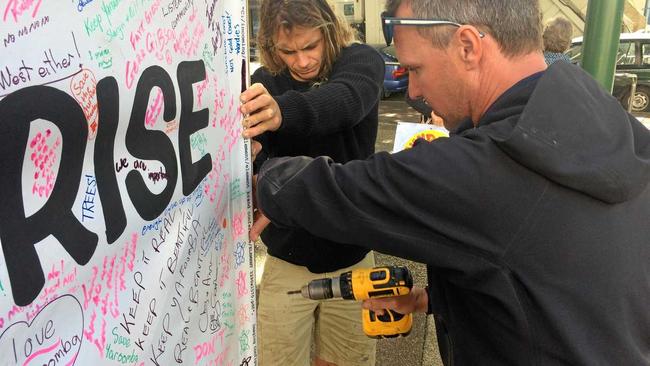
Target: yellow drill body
(366, 283)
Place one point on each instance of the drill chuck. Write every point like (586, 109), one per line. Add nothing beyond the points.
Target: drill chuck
(321, 289)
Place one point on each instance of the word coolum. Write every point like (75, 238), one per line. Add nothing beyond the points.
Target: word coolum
(19, 233)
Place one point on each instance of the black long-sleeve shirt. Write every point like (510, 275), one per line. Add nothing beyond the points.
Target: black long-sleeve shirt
(337, 118)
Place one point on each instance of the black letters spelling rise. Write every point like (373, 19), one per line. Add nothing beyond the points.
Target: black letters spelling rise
(18, 233)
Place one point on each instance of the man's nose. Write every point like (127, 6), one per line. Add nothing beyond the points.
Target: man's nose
(414, 89)
(302, 60)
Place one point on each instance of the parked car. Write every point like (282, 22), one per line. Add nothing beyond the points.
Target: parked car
(396, 77)
(633, 57)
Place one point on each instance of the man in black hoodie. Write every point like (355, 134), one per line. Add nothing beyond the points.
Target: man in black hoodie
(533, 217)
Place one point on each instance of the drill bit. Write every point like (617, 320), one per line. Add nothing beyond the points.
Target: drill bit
(293, 292)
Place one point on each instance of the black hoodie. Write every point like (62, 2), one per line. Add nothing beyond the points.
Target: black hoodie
(535, 225)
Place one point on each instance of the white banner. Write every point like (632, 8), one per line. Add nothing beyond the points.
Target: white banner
(125, 184)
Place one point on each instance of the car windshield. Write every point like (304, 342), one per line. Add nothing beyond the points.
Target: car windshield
(575, 53)
(626, 54)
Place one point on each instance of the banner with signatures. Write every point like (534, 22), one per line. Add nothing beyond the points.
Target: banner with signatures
(124, 184)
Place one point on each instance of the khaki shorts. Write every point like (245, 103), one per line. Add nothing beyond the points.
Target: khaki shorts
(285, 323)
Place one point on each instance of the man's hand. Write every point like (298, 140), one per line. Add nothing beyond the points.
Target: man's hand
(415, 301)
(256, 147)
(259, 224)
(437, 120)
(259, 220)
(263, 111)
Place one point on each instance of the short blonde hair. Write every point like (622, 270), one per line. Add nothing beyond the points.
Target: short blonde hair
(311, 14)
(557, 35)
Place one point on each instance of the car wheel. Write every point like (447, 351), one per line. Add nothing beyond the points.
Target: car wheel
(641, 100)
(385, 94)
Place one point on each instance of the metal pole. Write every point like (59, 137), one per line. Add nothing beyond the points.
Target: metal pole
(602, 33)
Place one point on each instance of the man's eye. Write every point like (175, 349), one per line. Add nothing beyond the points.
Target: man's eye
(286, 52)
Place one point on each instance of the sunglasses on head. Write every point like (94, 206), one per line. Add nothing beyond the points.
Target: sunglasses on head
(388, 22)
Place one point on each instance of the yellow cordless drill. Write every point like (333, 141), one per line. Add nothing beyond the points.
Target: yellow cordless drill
(362, 284)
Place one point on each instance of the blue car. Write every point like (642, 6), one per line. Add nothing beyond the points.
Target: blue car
(396, 77)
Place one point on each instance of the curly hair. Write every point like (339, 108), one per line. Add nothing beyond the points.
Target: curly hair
(557, 35)
(337, 34)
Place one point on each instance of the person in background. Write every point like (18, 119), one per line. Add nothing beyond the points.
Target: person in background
(316, 94)
(532, 217)
(557, 39)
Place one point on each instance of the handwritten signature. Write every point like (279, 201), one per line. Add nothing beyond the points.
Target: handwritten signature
(18, 7)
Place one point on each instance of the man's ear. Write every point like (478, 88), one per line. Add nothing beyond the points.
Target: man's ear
(470, 46)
